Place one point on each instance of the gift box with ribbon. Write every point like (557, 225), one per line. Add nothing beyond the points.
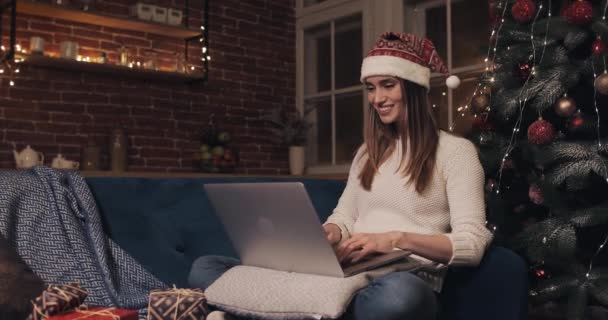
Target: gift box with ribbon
(177, 304)
(57, 299)
(97, 313)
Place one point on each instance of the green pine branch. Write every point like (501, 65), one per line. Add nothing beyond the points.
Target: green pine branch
(565, 151)
(575, 173)
(552, 239)
(600, 27)
(590, 217)
(598, 287)
(575, 38)
(547, 87)
(553, 55)
(505, 103)
(554, 288)
(558, 28)
(577, 302)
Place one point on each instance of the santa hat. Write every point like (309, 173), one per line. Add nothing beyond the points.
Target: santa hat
(405, 56)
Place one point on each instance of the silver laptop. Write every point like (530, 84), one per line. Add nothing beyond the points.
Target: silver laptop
(274, 225)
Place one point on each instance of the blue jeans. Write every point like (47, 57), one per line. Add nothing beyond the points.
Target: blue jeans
(396, 296)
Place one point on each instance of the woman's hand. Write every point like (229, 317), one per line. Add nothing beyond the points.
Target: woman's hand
(332, 233)
(366, 244)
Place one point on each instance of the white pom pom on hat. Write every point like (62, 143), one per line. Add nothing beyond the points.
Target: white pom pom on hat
(405, 56)
(452, 82)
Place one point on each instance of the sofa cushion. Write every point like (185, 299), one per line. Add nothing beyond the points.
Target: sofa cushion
(166, 223)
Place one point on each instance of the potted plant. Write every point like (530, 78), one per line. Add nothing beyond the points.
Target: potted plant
(291, 129)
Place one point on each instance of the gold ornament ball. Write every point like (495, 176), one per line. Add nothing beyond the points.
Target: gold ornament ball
(565, 107)
(480, 103)
(601, 84)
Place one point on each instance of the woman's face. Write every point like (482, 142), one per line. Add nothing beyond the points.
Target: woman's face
(385, 95)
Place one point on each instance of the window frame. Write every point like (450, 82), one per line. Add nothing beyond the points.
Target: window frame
(315, 15)
(416, 23)
(377, 16)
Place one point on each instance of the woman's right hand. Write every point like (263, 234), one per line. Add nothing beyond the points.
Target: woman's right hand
(332, 233)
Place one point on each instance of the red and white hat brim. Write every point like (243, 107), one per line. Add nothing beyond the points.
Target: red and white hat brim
(384, 65)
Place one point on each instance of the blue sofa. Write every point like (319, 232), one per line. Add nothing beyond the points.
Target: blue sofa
(166, 223)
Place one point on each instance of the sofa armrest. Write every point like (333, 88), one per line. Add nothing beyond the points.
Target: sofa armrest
(496, 289)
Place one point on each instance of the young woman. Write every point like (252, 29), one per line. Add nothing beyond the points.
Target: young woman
(410, 187)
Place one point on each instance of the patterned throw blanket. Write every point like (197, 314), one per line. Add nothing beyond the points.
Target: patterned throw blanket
(52, 219)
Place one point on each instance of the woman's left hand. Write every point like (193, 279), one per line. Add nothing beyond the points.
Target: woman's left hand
(366, 244)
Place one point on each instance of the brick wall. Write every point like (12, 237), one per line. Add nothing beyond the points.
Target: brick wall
(252, 70)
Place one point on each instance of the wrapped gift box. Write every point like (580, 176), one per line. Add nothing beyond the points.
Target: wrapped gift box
(177, 304)
(97, 314)
(57, 299)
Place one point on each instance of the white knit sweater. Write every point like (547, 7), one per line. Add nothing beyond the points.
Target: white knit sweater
(453, 203)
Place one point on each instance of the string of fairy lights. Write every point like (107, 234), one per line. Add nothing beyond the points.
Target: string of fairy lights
(489, 62)
(599, 145)
(10, 67)
(522, 100)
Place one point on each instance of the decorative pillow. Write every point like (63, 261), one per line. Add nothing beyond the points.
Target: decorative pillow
(270, 294)
(18, 284)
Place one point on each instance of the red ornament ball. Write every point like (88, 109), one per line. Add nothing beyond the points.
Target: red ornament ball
(541, 273)
(541, 132)
(579, 12)
(535, 194)
(576, 122)
(523, 11)
(522, 71)
(597, 47)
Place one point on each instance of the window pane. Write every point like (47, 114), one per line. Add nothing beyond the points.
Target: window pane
(439, 100)
(349, 125)
(317, 59)
(319, 150)
(349, 49)
(469, 35)
(436, 29)
(470, 32)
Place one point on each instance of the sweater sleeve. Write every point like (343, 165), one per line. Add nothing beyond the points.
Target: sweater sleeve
(345, 213)
(464, 186)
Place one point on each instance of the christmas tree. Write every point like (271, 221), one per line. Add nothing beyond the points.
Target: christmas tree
(541, 125)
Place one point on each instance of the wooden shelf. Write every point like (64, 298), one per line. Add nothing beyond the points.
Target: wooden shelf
(58, 12)
(139, 73)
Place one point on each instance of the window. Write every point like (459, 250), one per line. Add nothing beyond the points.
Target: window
(332, 37)
(330, 50)
(463, 49)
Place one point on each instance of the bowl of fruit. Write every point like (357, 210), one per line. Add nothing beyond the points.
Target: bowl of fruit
(216, 153)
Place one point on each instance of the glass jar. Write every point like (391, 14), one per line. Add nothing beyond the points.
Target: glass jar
(118, 150)
(180, 63)
(91, 156)
(123, 56)
(150, 60)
